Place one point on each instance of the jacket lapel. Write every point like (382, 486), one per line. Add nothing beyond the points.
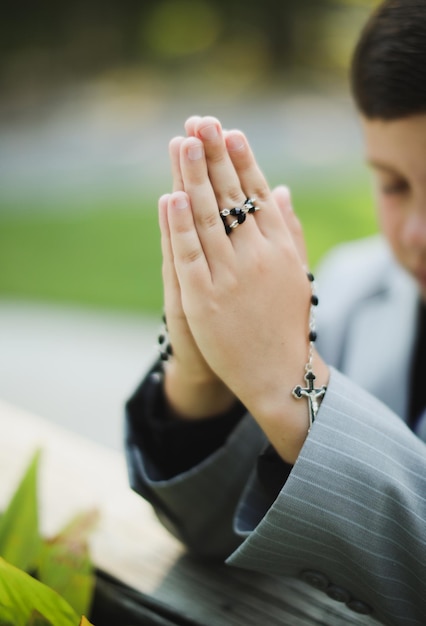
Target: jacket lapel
(388, 320)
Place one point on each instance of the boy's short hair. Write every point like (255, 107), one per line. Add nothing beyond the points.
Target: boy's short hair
(388, 75)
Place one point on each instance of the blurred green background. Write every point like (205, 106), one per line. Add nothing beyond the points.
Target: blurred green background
(93, 91)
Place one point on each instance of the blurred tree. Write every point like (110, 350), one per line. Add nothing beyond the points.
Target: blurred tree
(48, 42)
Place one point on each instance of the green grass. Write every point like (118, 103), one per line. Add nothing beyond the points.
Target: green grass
(109, 256)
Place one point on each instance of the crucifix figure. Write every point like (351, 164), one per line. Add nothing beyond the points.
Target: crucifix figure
(311, 394)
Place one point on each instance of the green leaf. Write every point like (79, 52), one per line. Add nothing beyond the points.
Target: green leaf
(21, 595)
(36, 619)
(7, 616)
(19, 535)
(65, 565)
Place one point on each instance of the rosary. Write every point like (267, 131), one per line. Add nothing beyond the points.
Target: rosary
(312, 394)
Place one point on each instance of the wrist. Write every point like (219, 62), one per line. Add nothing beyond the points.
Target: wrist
(284, 418)
(195, 395)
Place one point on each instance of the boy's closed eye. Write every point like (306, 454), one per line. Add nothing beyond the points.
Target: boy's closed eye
(394, 188)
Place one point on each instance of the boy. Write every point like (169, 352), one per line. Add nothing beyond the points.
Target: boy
(222, 439)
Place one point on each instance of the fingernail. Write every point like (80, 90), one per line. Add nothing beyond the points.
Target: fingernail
(163, 200)
(195, 152)
(235, 142)
(180, 201)
(209, 132)
(286, 196)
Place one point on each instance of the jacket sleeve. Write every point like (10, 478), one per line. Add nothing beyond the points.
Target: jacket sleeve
(351, 518)
(198, 504)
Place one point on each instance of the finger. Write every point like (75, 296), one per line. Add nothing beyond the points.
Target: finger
(282, 197)
(254, 184)
(207, 219)
(162, 218)
(172, 300)
(166, 246)
(189, 259)
(174, 151)
(222, 174)
(190, 125)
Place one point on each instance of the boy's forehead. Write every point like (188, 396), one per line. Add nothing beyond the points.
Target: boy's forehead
(399, 141)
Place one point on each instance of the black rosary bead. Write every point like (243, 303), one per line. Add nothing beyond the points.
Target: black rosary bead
(312, 336)
(165, 348)
(314, 300)
(311, 277)
(241, 216)
(249, 205)
(165, 352)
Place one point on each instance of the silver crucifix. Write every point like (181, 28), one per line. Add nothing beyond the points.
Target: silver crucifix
(311, 394)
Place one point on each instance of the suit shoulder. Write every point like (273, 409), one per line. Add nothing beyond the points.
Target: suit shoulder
(354, 270)
(349, 275)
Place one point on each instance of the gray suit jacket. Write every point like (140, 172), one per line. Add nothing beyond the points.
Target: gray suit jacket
(351, 517)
